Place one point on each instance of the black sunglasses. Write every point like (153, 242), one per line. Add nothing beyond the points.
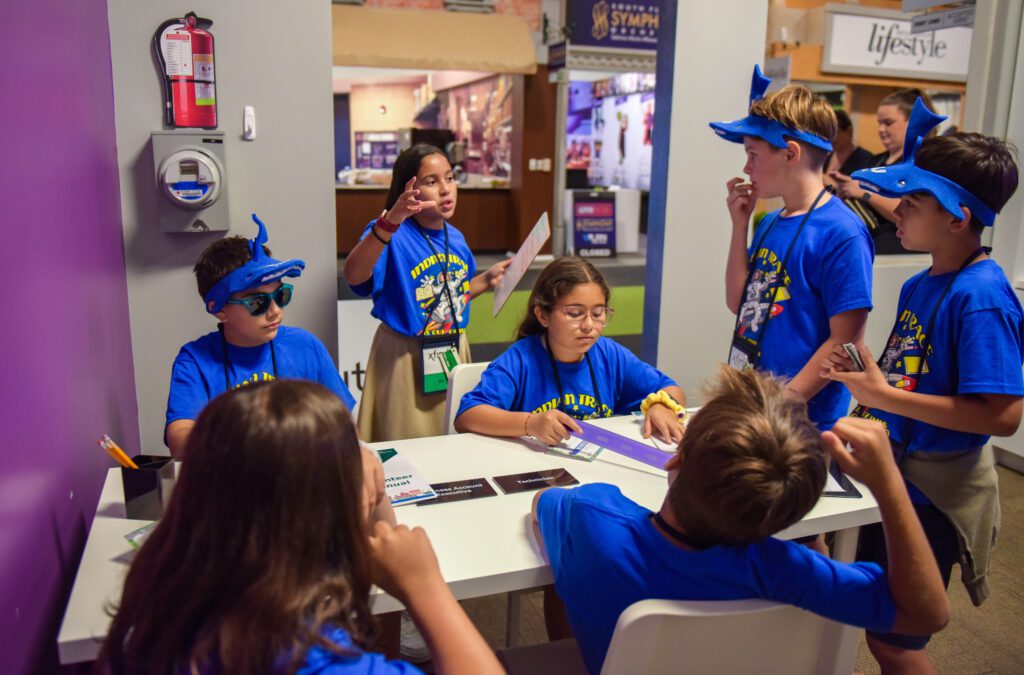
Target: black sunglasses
(258, 303)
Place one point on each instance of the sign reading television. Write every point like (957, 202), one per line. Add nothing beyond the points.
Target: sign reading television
(881, 43)
(623, 25)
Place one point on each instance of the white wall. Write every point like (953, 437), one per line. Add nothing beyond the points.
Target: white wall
(277, 59)
(714, 56)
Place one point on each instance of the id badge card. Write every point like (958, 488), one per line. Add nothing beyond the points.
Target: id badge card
(743, 355)
(438, 356)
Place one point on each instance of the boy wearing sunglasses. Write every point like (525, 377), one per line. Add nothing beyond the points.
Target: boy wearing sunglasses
(246, 290)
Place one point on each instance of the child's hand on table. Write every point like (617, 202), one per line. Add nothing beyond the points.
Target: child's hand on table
(868, 388)
(664, 423)
(871, 461)
(551, 427)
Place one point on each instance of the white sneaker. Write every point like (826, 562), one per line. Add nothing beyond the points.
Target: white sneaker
(413, 648)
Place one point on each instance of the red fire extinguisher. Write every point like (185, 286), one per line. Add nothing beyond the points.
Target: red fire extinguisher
(184, 50)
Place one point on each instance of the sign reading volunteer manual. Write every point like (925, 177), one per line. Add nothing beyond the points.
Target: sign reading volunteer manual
(402, 482)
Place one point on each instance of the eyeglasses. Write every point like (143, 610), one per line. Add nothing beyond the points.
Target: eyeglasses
(258, 303)
(578, 313)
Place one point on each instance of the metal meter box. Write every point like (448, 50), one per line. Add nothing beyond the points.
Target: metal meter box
(191, 180)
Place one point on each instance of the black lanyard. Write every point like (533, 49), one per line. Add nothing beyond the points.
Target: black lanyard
(783, 269)
(446, 288)
(558, 382)
(681, 537)
(227, 361)
(929, 327)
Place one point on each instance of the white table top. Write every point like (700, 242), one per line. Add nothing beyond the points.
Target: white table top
(484, 546)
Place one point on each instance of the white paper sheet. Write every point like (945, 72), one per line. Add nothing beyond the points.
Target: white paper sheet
(540, 233)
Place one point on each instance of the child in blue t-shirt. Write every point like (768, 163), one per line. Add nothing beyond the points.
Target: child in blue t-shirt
(561, 369)
(803, 284)
(266, 556)
(950, 374)
(421, 275)
(750, 464)
(243, 287)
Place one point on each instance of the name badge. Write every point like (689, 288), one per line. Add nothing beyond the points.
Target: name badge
(743, 355)
(438, 356)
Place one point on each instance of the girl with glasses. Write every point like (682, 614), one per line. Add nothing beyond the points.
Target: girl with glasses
(561, 369)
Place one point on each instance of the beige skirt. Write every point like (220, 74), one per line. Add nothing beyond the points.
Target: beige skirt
(393, 405)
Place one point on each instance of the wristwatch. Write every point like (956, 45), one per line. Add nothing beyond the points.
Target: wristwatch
(383, 224)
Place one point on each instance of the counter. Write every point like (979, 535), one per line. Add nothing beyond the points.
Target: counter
(484, 215)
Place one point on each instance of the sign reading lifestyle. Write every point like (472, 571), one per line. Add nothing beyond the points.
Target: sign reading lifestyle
(880, 43)
(630, 24)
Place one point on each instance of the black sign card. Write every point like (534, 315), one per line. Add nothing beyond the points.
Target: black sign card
(535, 480)
(457, 490)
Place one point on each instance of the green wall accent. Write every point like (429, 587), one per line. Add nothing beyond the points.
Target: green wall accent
(628, 302)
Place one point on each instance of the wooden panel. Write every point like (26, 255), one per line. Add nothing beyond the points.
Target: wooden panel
(534, 192)
(485, 217)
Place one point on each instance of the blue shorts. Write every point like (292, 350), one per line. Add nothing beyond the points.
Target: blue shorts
(945, 545)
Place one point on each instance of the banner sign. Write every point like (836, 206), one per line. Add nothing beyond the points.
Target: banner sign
(882, 44)
(594, 224)
(622, 25)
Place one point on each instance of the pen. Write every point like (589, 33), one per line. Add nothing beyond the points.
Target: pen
(117, 453)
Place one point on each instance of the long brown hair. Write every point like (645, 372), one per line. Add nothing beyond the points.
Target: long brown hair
(555, 282)
(752, 462)
(262, 545)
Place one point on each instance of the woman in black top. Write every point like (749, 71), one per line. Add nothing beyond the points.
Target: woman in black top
(893, 114)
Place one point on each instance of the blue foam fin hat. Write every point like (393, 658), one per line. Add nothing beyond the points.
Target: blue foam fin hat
(771, 131)
(261, 269)
(906, 177)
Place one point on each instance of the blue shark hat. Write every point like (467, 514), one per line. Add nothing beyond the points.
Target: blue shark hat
(907, 177)
(261, 269)
(770, 131)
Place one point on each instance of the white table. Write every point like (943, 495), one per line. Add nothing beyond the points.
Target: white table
(484, 546)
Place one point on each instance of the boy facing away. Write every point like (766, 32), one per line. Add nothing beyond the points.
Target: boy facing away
(750, 464)
(950, 375)
(803, 284)
(243, 287)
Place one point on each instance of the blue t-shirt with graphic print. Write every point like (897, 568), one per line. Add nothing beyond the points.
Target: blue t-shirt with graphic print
(521, 380)
(977, 347)
(593, 535)
(407, 286)
(828, 272)
(197, 376)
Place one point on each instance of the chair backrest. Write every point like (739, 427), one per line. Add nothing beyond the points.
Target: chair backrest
(461, 380)
(722, 637)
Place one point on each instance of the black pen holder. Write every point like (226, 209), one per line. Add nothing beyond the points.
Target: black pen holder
(147, 489)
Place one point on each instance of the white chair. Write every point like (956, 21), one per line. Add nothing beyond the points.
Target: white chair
(461, 380)
(681, 636)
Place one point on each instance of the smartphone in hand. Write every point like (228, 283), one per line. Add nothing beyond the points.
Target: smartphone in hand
(851, 351)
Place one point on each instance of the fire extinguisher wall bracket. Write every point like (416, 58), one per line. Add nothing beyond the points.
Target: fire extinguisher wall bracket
(189, 167)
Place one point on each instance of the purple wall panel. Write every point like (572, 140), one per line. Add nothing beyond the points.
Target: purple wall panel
(65, 346)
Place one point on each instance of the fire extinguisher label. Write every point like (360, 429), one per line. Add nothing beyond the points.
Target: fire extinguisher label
(204, 67)
(205, 93)
(178, 53)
